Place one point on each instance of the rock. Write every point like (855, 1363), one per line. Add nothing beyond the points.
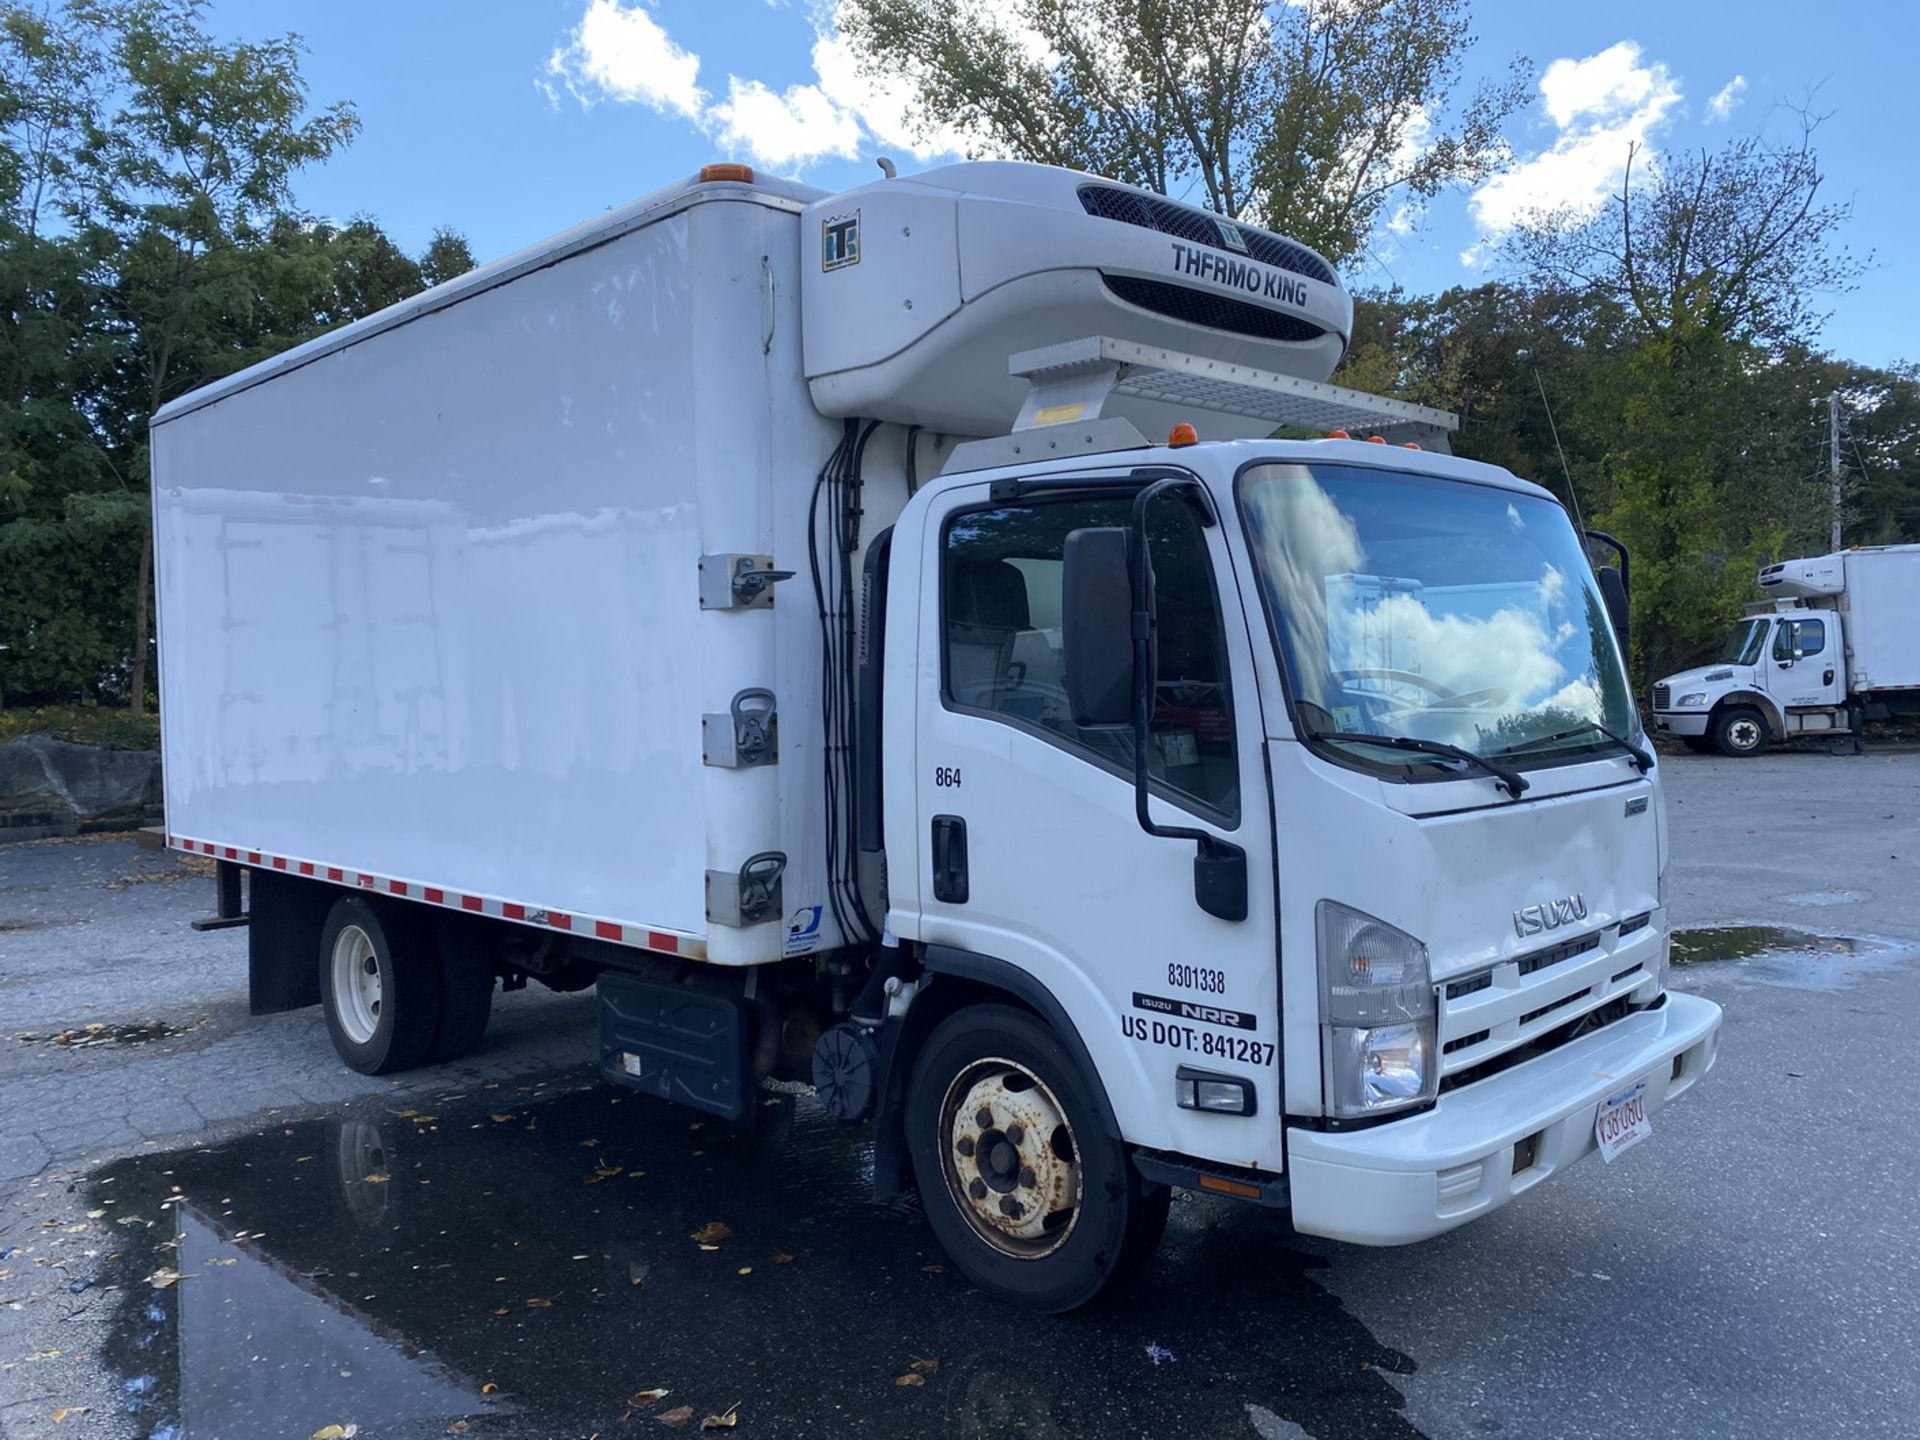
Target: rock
(52, 781)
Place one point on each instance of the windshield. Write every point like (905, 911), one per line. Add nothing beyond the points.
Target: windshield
(1433, 609)
(1742, 645)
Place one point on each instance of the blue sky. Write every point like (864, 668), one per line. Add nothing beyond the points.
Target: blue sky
(511, 119)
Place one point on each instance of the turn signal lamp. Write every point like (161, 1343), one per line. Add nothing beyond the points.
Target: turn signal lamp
(1338, 435)
(741, 173)
(1182, 434)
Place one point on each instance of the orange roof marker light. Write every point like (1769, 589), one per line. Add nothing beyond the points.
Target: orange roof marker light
(741, 173)
(1338, 435)
(1181, 435)
(1409, 445)
(1376, 439)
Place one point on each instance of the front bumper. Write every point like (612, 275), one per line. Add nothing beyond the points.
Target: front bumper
(1410, 1179)
(1680, 722)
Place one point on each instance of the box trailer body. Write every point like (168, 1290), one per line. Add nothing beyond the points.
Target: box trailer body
(696, 605)
(1837, 648)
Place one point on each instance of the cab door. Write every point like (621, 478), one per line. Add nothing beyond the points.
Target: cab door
(1028, 847)
(1807, 664)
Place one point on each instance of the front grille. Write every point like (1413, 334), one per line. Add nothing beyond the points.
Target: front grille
(1635, 922)
(1201, 227)
(1662, 697)
(1553, 955)
(1216, 312)
(1560, 1004)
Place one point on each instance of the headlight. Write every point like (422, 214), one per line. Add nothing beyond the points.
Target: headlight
(1691, 702)
(1377, 1014)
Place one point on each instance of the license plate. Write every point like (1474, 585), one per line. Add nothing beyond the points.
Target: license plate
(1622, 1122)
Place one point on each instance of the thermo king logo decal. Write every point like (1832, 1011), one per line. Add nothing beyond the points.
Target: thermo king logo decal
(1190, 1010)
(840, 241)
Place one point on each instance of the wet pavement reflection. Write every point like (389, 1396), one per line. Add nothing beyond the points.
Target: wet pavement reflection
(527, 1260)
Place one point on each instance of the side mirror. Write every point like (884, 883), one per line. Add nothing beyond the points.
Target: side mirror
(1096, 628)
(1613, 594)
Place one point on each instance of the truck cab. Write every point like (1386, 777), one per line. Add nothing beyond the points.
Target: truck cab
(1776, 675)
(1377, 936)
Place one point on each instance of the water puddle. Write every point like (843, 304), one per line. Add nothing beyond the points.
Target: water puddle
(81, 1037)
(1777, 954)
(535, 1261)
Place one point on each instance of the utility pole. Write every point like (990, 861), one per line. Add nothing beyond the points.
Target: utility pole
(1833, 461)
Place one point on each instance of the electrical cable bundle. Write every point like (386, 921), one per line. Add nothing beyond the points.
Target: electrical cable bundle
(838, 490)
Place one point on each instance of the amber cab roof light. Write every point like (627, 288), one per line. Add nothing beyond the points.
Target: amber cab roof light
(741, 173)
(1182, 434)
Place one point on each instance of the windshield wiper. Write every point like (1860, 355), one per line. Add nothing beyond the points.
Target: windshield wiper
(1642, 761)
(1508, 778)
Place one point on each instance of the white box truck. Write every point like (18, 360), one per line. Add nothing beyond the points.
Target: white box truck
(763, 605)
(1839, 648)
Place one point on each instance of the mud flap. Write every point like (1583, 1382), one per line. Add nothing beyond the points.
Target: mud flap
(675, 1042)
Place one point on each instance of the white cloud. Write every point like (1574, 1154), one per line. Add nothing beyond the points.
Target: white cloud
(790, 128)
(1722, 105)
(620, 52)
(1601, 105)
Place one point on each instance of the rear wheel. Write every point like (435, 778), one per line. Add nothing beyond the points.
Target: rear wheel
(1739, 731)
(466, 999)
(379, 986)
(1023, 1187)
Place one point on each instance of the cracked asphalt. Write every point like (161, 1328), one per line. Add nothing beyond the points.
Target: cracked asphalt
(502, 1247)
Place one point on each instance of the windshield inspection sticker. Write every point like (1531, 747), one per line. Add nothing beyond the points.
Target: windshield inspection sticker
(1192, 1010)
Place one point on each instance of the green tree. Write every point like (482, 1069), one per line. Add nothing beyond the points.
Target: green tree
(1313, 118)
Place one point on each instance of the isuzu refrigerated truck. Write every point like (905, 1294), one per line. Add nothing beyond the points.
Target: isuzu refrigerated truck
(1838, 648)
(764, 605)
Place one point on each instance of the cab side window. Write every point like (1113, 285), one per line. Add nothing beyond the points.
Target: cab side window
(1796, 638)
(1001, 579)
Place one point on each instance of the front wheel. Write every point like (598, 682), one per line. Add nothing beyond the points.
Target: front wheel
(1024, 1189)
(1740, 731)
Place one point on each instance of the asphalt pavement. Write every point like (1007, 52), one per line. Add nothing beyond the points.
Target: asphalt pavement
(505, 1248)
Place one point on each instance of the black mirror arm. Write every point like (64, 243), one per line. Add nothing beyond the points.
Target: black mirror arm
(1219, 867)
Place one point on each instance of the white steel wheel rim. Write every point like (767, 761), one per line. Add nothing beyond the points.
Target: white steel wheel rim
(1744, 734)
(1011, 1160)
(357, 989)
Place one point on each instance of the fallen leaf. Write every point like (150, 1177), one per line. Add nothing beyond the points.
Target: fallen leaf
(640, 1399)
(336, 1432)
(377, 1178)
(780, 1257)
(65, 1410)
(489, 1388)
(501, 1311)
(164, 1279)
(911, 1378)
(933, 1269)
(712, 1232)
(709, 1247)
(536, 1303)
(500, 1119)
(746, 1270)
(677, 1416)
(458, 1427)
(95, 1214)
(588, 1144)
(721, 1422)
(635, 1174)
(925, 1367)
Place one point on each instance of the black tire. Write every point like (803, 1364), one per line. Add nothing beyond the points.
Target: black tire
(395, 950)
(1101, 1221)
(1739, 731)
(466, 1000)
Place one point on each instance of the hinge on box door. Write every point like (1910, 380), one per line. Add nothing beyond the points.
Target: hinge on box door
(738, 582)
(745, 737)
(749, 896)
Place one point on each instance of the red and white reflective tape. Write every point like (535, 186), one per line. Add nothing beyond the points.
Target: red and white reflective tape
(618, 932)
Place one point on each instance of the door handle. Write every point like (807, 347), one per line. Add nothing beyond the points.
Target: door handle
(950, 859)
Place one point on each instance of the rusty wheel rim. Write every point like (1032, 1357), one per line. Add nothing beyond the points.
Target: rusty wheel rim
(1010, 1158)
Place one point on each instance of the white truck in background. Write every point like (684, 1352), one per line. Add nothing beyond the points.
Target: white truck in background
(763, 605)
(1839, 647)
